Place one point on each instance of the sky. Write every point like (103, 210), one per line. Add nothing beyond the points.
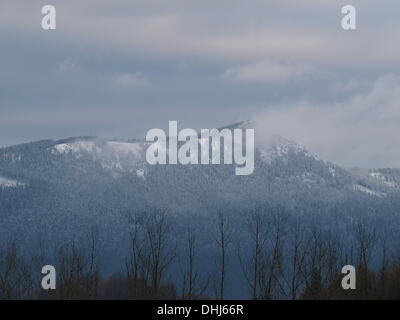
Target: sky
(119, 68)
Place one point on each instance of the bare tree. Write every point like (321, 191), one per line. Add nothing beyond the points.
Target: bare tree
(223, 239)
(93, 273)
(257, 229)
(296, 263)
(272, 258)
(192, 287)
(384, 262)
(324, 259)
(16, 280)
(315, 263)
(158, 253)
(366, 239)
(134, 263)
(78, 271)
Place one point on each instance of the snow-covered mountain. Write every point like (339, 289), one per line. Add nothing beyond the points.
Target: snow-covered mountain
(100, 163)
(59, 189)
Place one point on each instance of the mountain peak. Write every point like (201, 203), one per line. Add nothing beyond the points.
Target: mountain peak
(245, 124)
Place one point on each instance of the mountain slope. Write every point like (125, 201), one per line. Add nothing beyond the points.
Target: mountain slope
(61, 189)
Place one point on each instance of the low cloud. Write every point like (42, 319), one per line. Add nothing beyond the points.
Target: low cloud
(268, 71)
(361, 131)
(132, 81)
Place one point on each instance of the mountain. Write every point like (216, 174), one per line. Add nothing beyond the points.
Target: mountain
(58, 190)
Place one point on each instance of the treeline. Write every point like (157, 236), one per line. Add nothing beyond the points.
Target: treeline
(277, 258)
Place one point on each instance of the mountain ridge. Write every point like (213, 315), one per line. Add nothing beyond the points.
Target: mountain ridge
(120, 153)
(59, 190)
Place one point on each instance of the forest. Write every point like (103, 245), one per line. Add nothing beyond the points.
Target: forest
(277, 259)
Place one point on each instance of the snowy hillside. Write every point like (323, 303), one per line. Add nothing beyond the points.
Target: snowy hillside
(59, 189)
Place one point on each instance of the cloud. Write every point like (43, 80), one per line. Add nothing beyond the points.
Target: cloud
(181, 48)
(132, 81)
(249, 30)
(268, 71)
(361, 131)
(350, 85)
(69, 65)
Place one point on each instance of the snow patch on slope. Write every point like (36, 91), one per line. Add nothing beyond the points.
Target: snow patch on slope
(115, 156)
(10, 183)
(332, 171)
(77, 148)
(382, 178)
(140, 174)
(358, 187)
(277, 147)
(99, 148)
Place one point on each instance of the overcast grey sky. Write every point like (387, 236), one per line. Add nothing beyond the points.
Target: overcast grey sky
(119, 68)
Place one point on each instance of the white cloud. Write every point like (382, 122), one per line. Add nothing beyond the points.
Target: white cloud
(268, 71)
(132, 80)
(362, 131)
